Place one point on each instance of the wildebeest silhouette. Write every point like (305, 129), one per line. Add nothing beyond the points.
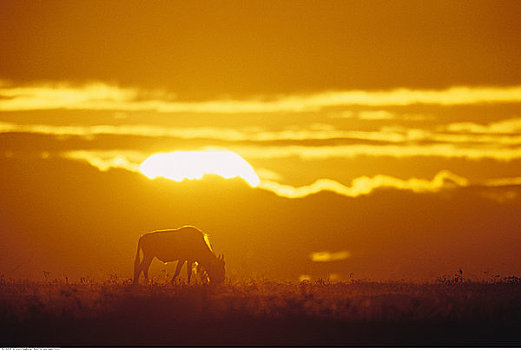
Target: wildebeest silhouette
(186, 243)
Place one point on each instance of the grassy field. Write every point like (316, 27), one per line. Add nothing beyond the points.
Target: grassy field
(113, 312)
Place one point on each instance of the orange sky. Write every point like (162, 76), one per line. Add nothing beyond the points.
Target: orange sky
(386, 137)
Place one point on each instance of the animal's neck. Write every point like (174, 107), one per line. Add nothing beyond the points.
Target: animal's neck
(207, 259)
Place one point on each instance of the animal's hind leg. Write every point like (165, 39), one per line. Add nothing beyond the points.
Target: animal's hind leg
(189, 269)
(145, 264)
(138, 267)
(177, 270)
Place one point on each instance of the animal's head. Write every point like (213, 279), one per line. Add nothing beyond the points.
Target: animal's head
(217, 270)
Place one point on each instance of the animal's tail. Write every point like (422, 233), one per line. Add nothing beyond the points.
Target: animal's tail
(137, 262)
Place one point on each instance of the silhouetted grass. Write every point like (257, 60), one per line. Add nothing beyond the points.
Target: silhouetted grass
(113, 312)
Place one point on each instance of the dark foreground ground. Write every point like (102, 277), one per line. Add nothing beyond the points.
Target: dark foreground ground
(113, 313)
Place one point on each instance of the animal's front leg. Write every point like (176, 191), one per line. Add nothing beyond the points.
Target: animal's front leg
(147, 260)
(189, 270)
(177, 270)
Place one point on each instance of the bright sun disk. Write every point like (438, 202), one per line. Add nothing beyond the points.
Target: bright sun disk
(181, 165)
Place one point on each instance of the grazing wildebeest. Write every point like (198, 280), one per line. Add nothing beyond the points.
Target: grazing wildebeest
(186, 243)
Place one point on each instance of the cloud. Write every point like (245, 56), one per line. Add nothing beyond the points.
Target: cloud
(380, 115)
(328, 256)
(313, 142)
(313, 132)
(106, 160)
(130, 130)
(376, 115)
(512, 181)
(365, 185)
(269, 180)
(102, 96)
(268, 174)
(394, 134)
(130, 160)
(508, 126)
(500, 197)
(443, 150)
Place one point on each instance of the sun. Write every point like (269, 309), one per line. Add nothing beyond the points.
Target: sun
(181, 165)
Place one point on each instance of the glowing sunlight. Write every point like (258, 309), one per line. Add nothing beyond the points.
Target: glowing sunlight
(191, 165)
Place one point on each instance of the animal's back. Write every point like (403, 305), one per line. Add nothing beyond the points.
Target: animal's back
(185, 243)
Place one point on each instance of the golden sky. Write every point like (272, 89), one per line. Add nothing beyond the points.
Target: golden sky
(377, 129)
